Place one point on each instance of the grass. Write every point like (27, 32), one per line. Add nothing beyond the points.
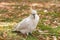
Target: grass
(6, 34)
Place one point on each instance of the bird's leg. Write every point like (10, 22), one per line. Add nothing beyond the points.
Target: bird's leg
(25, 35)
(31, 34)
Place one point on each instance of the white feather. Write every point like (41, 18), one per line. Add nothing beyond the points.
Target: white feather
(28, 25)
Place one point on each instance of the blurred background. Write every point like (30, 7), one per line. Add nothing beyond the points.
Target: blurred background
(13, 11)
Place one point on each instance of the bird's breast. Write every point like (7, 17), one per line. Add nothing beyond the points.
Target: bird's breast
(33, 22)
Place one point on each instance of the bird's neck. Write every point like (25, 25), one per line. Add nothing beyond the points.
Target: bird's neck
(32, 17)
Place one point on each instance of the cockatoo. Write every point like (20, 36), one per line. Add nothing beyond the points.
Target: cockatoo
(28, 25)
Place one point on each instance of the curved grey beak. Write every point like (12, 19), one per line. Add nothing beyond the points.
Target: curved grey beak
(33, 15)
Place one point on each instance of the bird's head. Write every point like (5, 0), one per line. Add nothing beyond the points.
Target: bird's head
(33, 13)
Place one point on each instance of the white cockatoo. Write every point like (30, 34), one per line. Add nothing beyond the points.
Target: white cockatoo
(28, 25)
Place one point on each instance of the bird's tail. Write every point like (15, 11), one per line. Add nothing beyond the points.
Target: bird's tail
(16, 32)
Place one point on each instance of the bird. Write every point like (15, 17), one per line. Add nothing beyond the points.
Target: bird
(28, 24)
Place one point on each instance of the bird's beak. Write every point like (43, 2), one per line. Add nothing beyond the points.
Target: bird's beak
(34, 15)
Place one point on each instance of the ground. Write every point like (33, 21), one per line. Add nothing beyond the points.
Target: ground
(48, 27)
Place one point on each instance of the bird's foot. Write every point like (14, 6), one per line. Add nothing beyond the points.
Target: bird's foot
(31, 34)
(24, 35)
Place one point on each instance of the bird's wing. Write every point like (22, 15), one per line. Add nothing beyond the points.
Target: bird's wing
(22, 25)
